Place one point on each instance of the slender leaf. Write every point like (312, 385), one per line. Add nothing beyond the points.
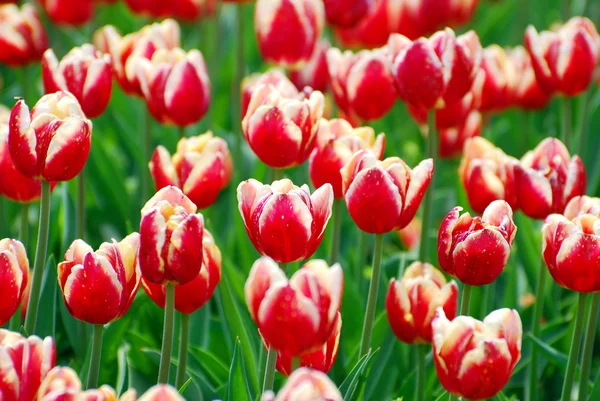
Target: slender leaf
(237, 389)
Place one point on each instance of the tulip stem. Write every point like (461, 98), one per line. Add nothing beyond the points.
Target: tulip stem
(278, 174)
(538, 308)
(238, 75)
(465, 303)
(428, 201)
(24, 229)
(588, 347)
(81, 205)
(365, 343)
(295, 363)
(40, 260)
(421, 350)
(181, 132)
(270, 370)
(184, 339)
(92, 381)
(575, 347)
(566, 121)
(337, 224)
(167, 342)
(147, 151)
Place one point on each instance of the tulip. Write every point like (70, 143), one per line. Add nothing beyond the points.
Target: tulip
(411, 302)
(564, 60)
(452, 139)
(582, 205)
(283, 221)
(345, 13)
(175, 85)
(528, 93)
(383, 196)
(85, 72)
(23, 37)
(409, 235)
(161, 392)
(61, 384)
(306, 385)
(275, 78)
(14, 276)
(187, 10)
(69, 12)
(475, 359)
(298, 315)
(430, 15)
(476, 249)
(104, 393)
(547, 178)
(451, 115)
(287, 30)
(314, 73)
(282, 131)
(362, 83)
(500, 79)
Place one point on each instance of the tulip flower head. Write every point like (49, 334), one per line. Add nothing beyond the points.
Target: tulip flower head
(314, 73)
(170, 233)
(298, 315)
(476, 249)
(187, 10)
(430, 15)
(283, 221)
(69, 12)
(14, 276)
(104, 393)
(23, 38)
(273, 77)
(85, 72)
(344, 13)
(500, 79)
(547, 178)
(383, 196)
(52, 141)
(306, 385)
(528, 94)
(161, 392)
(411, 302)
(452, 139)
(61, 384)
(475, 359)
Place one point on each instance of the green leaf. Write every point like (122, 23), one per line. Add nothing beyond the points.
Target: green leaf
(122, 368)
(354, 384)
(210, 365)
(557, 358)
(185, 386)
(46, 318)
(237, 389)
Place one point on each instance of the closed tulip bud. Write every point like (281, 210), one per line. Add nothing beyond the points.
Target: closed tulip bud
(85, 72)
(161, 392)
(314, 73)
(201, 167)
(24, 363)
(275, 78)
(192, 296)
(487, 174)
(14, 276)
(287, 30)
(175, 85)
(298, 315)
(528, 93)
(52, 141)
(476, 249)
(61, 384)
(564, 60)
(452, 139)
(547, 178)
(411, 303)
(431, 15)
(383, 196)
(282, 131)
(283, 221)
(104, 393)
(187, 10)
(23, 37)
(452, 66)
(500, 79)
(475, 359)
(450, 116)
(170, 233)
(347, 13)
(69, 12)
(129, 395)
(582, 205)
(306, 385)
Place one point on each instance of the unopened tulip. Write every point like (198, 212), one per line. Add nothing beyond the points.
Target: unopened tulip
(528, 93)
(275, 78)
(450, 116)
(452, 66)
(282, 131)
(14, 276)
(500, 79)
(287, 30)
(337, 141)
(582, 205)
(85, 72)
(476, 249)
(192, 296)
(52, 141)
(430, 15)
(346, 13)
(383, 196)
(283, 221)
(104, 393)
(187, 10)
(362, 83)
(201, 168)
(23, 38)
(298, 315)
(170, 233)
(306, 385)
(411, 302)
(61, 384)
(547, 178)
(69, 12)
(564, 60)
(161, 392)
(452, 139)
(487, 174)
(475, 359)
(314, 73)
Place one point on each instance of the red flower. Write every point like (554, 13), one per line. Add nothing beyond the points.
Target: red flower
(23, 38)
(187, 10)
(411, 234)
(314, 73)
(282, 220)
(452, 139)
(430, 15)
(528, 93)
(451, 115)
(14, 276)
(69, 12)
(501, 79)
(306, 385)
(346, 13)
(61, 384)
(275, 78)
(582, 205)
(476, 250)
(160, 392)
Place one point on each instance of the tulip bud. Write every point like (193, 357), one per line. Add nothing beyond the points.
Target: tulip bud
(500, 79)
(23, 38)
(192, 296)
(564, 61)
(476, 250)
(61, 384)
(169, 236)
(129, 395)
(52, 142)
(383, 196)
(411, 302)
(306, 385)
(282, 131)
(450, 116)
(314, 73)
(85, 72)
(187, 10)
(337, 141)
(453, 64)
(582, 205)
(283, 221)
(296, 316)
(104, 393)
(346, 13)
(275, 78)
(14, 276)
(201, 167)
(475, 359)
(161, 392)
(69, 12)
(547, 178)
(431, 15)
(528, 93)
(452, 139)
(287, 30)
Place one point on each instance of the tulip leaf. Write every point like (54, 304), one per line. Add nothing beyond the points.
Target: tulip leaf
(122, 368)
(214, 369)
(595, 393)
(185, 386)
(237, 389)
(46, 318)
(557, 358)
(443, 396)
(355, 383)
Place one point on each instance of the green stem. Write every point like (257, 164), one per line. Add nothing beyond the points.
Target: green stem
(236, 108)
(536, 326)
(147, 147)
(362, 256)
(40, 260)
(588, 347)
(4, 226)
(81, 205)
(566, 121)
(566, 9)
(575, 347)
(270, 370)
(184, 339)
(365, 343)
(24, 229)
(428, 201)
(92, 381)
(466, 300)
(584, 123)
(181, 132)
(167, 342)
(278, 174)
(295, 363)
(337, 225)
(421, 350)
